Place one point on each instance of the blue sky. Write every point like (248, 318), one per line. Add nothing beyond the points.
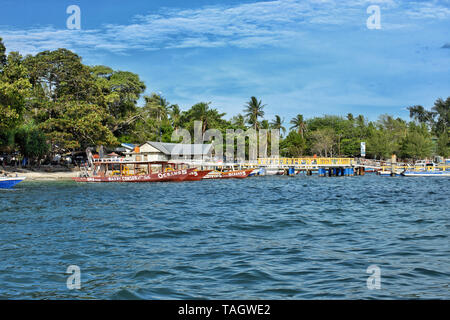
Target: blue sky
(312, 57)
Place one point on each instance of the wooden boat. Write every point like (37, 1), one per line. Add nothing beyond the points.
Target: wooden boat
(235, 174)
(197, 175)
(9, 182)
(135, 171)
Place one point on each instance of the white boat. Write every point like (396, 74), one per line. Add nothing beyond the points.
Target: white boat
(425, 168)
(386, 173)
(273, 172)
(9, 182)
(257, 172)
(428, 173)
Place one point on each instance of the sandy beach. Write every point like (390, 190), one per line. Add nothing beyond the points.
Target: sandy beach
(42, 173)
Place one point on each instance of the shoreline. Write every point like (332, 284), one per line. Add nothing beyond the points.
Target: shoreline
(44, 174)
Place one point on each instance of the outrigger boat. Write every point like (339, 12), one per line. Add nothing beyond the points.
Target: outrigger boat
(106, 170)
(9, 182)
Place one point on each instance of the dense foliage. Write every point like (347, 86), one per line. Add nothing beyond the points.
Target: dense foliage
(52, 103)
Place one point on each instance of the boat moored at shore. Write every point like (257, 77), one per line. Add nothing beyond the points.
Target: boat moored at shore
(196, 175)
(135, 171)
(234, 174)
(9, 182)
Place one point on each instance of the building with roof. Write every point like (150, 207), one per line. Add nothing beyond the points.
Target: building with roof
(162, 151)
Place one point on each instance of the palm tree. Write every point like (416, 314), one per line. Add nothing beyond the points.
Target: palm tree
(299, 124)
(278, 124)
(238, 121)
(441, 110)
(254, 109)
(175, 115)
(420, 114)
(202, 112)
(157, 105)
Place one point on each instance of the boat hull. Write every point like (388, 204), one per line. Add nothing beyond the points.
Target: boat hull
(273, 172)
(8, 183)
(176, 175)
(238, 174)
(256, 172)
(388, 174)
(197, 175)
(426, 174)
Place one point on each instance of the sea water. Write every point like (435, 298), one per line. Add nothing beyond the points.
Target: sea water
(301, 237)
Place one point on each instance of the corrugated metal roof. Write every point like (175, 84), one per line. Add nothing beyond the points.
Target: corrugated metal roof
(181, 149)
(128, 146)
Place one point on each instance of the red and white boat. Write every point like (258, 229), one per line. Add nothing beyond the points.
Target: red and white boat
(126, 171)
(236, 174)
(197, 175)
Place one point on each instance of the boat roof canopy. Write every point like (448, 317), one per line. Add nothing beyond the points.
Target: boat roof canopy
(181, 149)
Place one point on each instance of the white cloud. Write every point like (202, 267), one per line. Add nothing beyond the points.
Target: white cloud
(274, 23)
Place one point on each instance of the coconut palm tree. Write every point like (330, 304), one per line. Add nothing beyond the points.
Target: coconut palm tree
(299, 124)
(253, 110)
(441, 110)
(175, 115)
(420, 114)
(157, 105)
(202, 112)
(238, 121)
(278, 124)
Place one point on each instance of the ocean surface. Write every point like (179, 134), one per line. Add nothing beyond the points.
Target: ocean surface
(258, 238)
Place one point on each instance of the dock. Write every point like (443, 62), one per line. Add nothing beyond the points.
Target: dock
(323, 166)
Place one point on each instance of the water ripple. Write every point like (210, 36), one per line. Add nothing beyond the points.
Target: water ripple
(263, 237)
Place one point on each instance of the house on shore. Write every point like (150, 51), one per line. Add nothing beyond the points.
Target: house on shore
(162, 151)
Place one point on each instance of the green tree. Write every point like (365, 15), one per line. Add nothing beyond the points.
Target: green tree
(277, 124)
(238, 122)
(443, 145)
(293, 145)
(441, 109)
(421, 115)
(2, 54)
(323, 142)
(31, 141)
(14, 91)
(78, 125)
(299, 124)
(157, 106)
(211, 118)
(120, 91)
(379, 144)
(59, 75)
(175, 116)
(417, 144)
(253, 110)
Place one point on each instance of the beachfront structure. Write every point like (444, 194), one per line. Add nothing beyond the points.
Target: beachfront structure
(162, 151)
